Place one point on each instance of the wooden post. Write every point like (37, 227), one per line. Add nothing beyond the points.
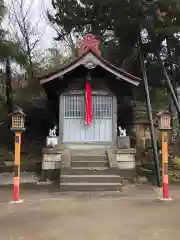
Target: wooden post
(150, 115)
(165, 165)
(17, 166)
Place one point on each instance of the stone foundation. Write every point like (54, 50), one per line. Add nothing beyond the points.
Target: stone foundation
(51, 164)
(56, 160)
(125, 160)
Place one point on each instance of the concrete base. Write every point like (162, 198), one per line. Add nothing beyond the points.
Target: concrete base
(159, 195)
(49, 175)
(158, 192)
(161, 199)
(17, 202)
(51, 164)
(89, 146)
(126, 159)
(123, 142)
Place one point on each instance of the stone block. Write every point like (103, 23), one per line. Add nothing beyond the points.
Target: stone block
(52, 141)
(148, 143)
(142, 143)
(123, 142)
(51, 161)
(50, 165)
(126, 159)
(112, 158)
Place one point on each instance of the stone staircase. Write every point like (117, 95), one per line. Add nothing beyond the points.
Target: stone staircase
(89, 171)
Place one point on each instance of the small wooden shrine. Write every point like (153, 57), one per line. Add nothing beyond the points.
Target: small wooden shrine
(86, 93)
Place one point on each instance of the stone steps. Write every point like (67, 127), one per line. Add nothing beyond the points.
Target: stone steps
(90, 186)
(90, 164)
(89, 171)
(90, 178)
(82, 157)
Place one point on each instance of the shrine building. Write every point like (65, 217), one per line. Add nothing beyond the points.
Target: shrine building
(85, 94)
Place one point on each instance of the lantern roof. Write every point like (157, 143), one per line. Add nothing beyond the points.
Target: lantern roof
(90, 57)
(17, 110)
(162, 112)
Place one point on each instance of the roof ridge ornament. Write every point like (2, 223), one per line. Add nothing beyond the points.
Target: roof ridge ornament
(89, 62)
(90, 65)
(87, 43)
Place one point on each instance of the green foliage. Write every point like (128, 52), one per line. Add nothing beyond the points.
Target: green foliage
(13, 51)
(9, 49)
(118, 24)
(117, 21)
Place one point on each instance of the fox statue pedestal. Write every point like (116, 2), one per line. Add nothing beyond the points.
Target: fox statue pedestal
(51, 165)
(126, 163)
(52, 158)
(125, 156)
(123, 142)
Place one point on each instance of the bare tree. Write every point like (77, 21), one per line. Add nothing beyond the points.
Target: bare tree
(25, 29)
(68, 40)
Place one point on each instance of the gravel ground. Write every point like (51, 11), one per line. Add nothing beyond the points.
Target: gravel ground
(47, 214)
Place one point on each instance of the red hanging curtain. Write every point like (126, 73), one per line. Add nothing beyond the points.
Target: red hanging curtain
(88, 104)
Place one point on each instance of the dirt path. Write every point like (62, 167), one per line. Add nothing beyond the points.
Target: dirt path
(90, 216)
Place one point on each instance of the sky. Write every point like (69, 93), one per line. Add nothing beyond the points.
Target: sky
(49, 32)
(38, 12)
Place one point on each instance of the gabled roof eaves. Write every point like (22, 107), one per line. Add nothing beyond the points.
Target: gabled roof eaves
(96, 59)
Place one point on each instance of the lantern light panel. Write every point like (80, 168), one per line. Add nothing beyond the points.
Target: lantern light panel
(165, 121)
(17, 121)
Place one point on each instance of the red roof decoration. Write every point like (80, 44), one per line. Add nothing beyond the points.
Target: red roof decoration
(89, 42)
